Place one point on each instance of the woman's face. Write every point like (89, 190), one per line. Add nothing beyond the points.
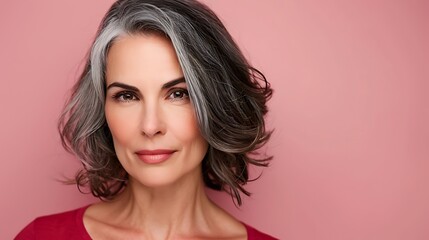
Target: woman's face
(149, 113)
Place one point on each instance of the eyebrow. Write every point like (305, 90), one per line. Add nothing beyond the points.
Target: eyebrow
(173, 83)
(132, 88)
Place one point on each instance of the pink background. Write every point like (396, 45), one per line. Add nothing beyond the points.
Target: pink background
(350, 109)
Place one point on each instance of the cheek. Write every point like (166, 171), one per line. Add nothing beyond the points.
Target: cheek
(185, 128)
(184, 125)
(121, 124)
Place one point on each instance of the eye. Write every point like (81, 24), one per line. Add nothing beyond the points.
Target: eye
(178, 94)
(125, 96)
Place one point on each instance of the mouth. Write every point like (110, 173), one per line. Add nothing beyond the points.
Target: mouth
(154, 156)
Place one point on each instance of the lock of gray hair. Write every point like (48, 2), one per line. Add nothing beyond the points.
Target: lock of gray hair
(228, 94)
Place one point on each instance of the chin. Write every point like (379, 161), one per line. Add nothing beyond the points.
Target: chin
(159, 177)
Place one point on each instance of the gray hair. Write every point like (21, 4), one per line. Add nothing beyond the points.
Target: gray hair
(229, 96)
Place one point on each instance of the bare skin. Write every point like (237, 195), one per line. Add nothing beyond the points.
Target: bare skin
(175, 212)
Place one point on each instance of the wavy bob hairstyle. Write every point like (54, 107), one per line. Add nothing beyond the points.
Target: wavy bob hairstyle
(229, 96)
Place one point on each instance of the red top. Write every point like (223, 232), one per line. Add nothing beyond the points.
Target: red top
(69, 225)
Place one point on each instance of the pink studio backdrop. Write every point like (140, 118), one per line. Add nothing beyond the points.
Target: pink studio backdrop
(350, 111)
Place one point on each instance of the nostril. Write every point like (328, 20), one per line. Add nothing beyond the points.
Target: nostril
(151, 133)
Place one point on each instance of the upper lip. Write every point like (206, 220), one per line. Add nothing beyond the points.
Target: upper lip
(155, 152)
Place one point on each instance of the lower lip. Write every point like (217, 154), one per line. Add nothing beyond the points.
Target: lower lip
(154, 158)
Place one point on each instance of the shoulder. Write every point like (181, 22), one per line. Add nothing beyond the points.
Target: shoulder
(254, 234)
(65, 225)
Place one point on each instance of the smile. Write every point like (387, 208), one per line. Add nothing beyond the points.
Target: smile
(154, 156)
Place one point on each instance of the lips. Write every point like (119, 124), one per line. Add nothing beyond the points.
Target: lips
(154, 156)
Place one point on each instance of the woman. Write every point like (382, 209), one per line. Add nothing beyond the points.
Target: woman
(165, 106)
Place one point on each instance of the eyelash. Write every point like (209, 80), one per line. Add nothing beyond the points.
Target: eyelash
(184, 94)
(131, 96)
(120, 96)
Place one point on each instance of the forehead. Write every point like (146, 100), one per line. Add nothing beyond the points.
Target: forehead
(142, 57)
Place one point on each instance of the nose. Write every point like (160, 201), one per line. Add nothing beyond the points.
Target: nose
(152, 123)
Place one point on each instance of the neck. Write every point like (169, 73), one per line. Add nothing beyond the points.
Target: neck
(164, 211)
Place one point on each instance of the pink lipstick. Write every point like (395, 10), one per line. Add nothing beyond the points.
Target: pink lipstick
(154, 156)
